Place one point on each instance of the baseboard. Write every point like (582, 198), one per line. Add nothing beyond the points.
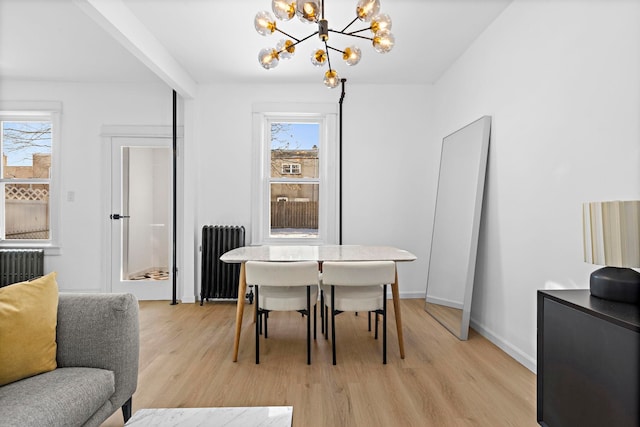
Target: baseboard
(188, 299)
(411, 295)
(445, 302)
(521, 357)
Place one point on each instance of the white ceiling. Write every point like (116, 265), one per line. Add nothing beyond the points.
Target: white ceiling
(214, 41)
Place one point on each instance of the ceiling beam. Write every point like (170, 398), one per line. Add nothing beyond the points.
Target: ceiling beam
(120, 22)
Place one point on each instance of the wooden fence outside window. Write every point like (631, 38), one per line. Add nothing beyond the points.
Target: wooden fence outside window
(26, 212)
(294, 215)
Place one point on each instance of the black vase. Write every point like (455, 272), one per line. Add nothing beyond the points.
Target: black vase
(616, 284)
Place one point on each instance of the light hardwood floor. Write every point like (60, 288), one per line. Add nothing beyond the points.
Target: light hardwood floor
(186, 361)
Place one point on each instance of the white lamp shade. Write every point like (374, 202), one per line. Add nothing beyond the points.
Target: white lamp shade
(612, 233)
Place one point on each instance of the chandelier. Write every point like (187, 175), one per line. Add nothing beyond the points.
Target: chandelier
(312, 12)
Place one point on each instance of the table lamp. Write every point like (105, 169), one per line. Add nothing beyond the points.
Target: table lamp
(612, 238)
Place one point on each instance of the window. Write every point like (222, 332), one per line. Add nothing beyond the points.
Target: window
(295, 192)
(27, 212)
(290, 168)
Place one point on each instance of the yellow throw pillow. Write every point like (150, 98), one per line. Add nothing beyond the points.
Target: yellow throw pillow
(28, 319)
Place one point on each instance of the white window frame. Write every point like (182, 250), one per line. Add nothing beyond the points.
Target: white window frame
(38, 111)
(328, 215)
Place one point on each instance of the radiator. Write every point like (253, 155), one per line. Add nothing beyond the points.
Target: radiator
(219, 280)
(19, 265)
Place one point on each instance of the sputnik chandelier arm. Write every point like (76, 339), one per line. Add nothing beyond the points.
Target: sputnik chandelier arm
(312, 11)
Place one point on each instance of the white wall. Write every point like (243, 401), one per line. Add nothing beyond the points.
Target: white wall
(389, 163)
(561, 80)
(85, 109)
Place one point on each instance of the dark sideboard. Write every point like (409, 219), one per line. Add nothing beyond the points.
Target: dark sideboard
(588, 361)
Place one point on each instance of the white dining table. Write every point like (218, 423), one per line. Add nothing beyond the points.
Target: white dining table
(320, 254)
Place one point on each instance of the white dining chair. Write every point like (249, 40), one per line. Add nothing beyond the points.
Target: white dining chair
(283, 286)
(359, 286)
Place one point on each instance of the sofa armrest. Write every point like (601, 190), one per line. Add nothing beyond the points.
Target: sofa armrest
(101, 331)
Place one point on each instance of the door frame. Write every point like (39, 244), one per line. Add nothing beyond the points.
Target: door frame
(108, 132)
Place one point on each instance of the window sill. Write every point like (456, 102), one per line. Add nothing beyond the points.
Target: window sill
(309, 241)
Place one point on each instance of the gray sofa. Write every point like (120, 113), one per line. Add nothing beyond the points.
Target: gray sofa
(97, 356)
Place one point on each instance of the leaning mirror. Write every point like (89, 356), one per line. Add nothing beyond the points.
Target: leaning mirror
(456, 225)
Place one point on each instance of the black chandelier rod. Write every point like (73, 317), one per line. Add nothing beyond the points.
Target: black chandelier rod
(333, 48)
(297, 41)
(326, 48)
(352, 34)
(289, 35)
(357, 31)
(348, 25)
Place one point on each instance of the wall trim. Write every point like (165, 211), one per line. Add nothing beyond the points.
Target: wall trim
(139, 131)
(513, 351)
(445, 302)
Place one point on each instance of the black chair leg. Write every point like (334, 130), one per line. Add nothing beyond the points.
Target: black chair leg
(322, 312)
(266, 324)
(315, 323)
(333, 324)
(326, 323)
(376, 331)
(384, 325)
(369, 320)
(258, 322)
(126, 409)
(308, 325)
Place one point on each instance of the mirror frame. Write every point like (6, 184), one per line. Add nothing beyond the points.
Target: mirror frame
(454, 239)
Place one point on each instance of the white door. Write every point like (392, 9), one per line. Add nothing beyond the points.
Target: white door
(141, 217)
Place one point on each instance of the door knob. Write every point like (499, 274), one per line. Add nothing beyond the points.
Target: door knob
(118, 216)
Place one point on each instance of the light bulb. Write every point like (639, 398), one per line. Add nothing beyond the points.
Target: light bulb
(380, 22)
(284, 9)
(352, 55)
(268, 58)
(366, 9)
(308, 10)
(285, 49)
(318, 57)
(331, 79)
(383, 41)
(265, 23)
